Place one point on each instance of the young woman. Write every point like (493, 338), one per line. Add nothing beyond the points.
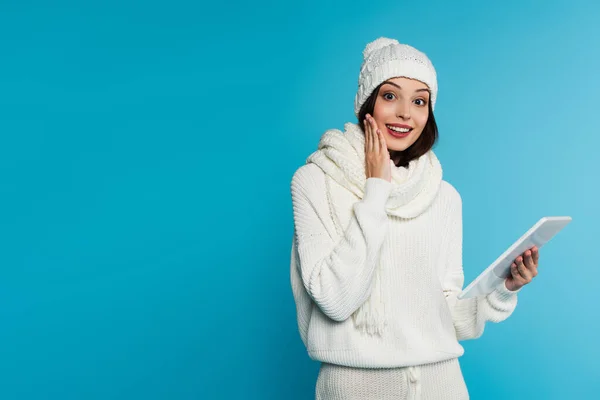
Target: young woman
(377, 253)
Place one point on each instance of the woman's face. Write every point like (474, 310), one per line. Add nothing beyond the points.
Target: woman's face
(401, 105)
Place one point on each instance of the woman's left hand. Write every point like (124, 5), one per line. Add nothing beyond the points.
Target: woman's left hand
(523, 270)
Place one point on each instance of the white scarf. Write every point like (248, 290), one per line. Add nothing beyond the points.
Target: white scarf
(341, 156)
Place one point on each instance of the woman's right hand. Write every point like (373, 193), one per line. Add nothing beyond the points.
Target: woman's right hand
(377, 156)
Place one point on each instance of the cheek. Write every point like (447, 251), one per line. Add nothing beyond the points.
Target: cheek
(421, 117)
(381, 110)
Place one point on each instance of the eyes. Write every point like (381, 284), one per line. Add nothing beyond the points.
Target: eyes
(389, 96)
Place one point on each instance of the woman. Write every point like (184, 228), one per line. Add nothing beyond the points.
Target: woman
(377, 252)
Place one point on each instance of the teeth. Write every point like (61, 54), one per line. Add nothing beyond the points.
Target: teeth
(396, 129)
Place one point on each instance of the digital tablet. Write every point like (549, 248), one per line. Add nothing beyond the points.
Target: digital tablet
(499, 270)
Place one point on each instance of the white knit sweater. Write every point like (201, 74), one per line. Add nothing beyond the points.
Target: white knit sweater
(421, 257)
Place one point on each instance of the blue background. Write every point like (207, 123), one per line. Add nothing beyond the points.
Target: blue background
(146, 152)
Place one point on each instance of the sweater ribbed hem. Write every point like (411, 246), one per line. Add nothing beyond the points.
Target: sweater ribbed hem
(503, 294)
(377, 359)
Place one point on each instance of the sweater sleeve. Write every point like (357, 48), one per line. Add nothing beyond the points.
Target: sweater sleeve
(471, 314)
(337, 273)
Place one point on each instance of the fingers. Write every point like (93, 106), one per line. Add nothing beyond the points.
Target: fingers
(523, 270)
(376, 140)
(529, 264)
(367, 135)
(381, 138)
(520, 272)
(535, 254)
(382, 145)
(374, 126)
(516, 275)
(525, 267)
(373, 136)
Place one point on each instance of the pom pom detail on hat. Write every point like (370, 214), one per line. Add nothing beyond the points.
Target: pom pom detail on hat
(386, 58)
(378, 44)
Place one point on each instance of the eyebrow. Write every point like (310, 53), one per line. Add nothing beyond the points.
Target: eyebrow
(398, 86)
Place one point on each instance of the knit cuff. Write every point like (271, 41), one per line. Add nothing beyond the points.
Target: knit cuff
(502, 292)
(377, 191)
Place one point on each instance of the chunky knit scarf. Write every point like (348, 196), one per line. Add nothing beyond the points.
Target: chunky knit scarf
(341, 156)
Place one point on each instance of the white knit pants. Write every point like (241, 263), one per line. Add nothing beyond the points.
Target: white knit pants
(441, 380)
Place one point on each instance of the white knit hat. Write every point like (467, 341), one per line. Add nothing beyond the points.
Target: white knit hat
(385, 58)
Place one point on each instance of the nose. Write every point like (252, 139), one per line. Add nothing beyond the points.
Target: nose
(403, 110)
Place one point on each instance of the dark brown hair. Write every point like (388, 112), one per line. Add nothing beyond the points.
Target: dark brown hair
(422, 145)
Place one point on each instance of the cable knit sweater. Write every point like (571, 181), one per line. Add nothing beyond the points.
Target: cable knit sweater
(421, 258)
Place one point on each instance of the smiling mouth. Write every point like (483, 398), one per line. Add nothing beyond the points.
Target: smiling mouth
(398, 132)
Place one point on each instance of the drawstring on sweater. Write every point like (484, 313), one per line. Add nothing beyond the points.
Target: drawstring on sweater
(413, 377)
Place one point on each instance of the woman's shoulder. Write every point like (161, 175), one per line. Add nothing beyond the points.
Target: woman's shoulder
(449, 193)
(308, 178)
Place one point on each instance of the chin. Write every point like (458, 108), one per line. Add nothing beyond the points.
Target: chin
(400, 144)
(398, 147)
